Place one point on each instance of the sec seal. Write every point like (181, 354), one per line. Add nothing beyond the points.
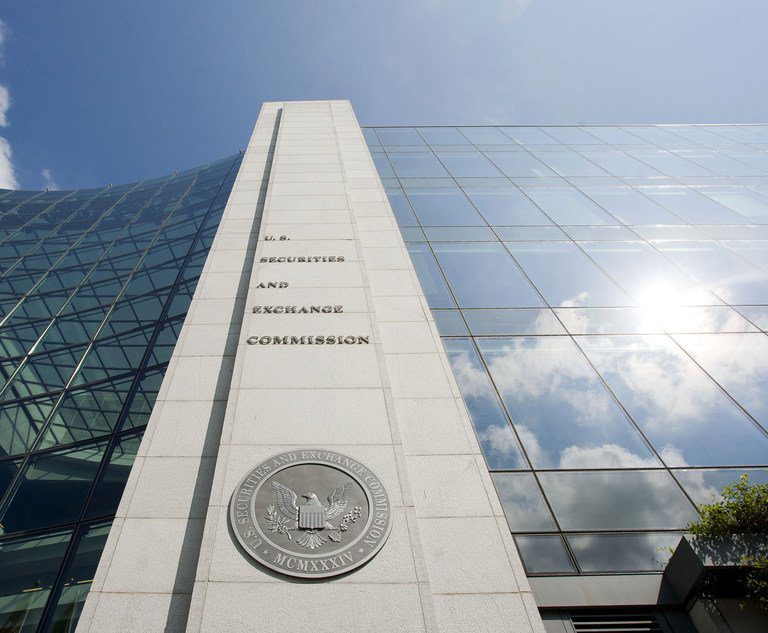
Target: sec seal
(311, 513)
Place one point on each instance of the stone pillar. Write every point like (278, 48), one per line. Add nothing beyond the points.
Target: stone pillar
(391, 402)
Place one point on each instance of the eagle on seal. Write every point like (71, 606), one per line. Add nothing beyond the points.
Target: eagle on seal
(312, 516)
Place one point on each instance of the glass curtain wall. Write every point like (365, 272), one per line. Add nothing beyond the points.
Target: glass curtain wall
(94, 287)
(602, 293)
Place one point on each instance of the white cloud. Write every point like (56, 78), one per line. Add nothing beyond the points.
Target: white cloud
(5, 103)
(7, 170)
(48, 180)
(603, 456)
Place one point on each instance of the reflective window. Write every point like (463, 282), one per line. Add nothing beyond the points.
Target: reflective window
(620, 164)
(430, 278)
(506, 206)
(648, 551)
(78, 577)
(53, 489)
(617, 500)
(399, 136)
(485, 276)
(512, 322)
(647, 276)
(562, 412)
(569, 206)
(738, 363)
(523, 502)
(529, 136)
(443, 136)
(641, 388)
(568, 163)
(544, 555)
(416, 165)
(630, 206)
(565, 276)
(727, 275)
(443, 206)
(148, 249)
(688, 419)
(30, 566)
(704, 486)
(693, 206)
(499, 444)
(486, 136)
(517, 164)
(742, 200)
(467, 164)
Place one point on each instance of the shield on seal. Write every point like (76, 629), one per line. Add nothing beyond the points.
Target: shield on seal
(311, 517)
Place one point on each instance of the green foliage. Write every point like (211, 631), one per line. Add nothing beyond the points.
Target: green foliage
(742, 510)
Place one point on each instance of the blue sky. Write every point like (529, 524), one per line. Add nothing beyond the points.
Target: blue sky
(97, 91)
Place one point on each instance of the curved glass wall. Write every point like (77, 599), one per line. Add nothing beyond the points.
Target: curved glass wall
(602, 293)
(94, 287)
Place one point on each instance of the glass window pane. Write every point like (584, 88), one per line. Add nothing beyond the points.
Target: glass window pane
(512, 322)
(519, 164)
(617, 500)
(496, 437)
(669, 163)
(53, 489)
(620, 164)
(460, 234)
(399, 136)
(738, 363)
(523, 503)
(544, 555)
(562, 412)
(741, 200)
(416, 165)
(20, 423)
(623, 552)
(600, 233)
(567, 205)
(687, 418)
(30, 566)
(755, 252)
(109, 489)
(449, 323)
(77, 578)
(608, 321)
(613, 135)
(442, 206)
(647, 276)
(529, 233)
(568, 163)
(726, 274)
(486, 136)
(443, 136)
(704, 486)
(467, 164)
(430, 278)
(401, 208)
(566, 277)
(506, 206)
(713, 319)
(485, 276)
(87, 413)
(720, 163)
(692, 206)
(529, 136)
(630, 206)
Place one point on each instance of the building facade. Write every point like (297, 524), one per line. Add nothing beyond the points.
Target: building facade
(547, 344)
